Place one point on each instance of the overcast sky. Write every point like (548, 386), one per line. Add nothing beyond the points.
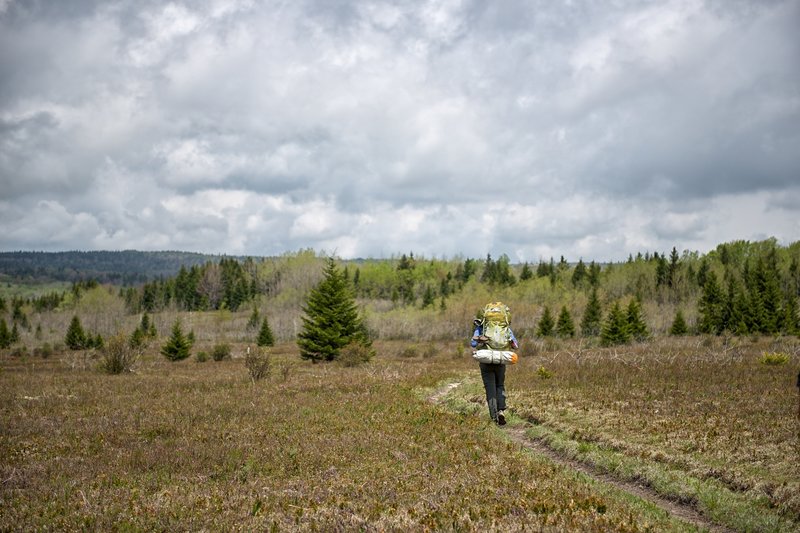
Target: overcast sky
(370, 129)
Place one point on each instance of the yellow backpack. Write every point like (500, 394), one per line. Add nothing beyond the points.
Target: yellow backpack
(496, 325)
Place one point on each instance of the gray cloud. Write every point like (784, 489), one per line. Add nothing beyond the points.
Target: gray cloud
(457, 127)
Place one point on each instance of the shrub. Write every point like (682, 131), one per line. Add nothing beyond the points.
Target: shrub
(19, 351)
(529, 348)
(355, 354)
(201, 357)
(258, 363)
(118, 356)
(543, 373)
(774, 358)
(44, 351)
(430, 351)
(409, 352)
(221, 351)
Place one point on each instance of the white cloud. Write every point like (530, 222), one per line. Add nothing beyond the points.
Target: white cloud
(381, 127)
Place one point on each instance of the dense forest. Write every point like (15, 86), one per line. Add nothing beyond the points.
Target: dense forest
(124, 267)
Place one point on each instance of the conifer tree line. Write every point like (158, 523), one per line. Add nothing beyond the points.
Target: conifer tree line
(740, 287)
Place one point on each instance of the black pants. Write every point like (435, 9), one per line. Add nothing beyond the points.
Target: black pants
(494, 377)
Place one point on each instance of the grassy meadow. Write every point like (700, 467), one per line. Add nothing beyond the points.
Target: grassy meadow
(199, 445)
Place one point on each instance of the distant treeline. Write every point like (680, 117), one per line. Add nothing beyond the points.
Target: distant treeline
(127, 267)
(740, 287)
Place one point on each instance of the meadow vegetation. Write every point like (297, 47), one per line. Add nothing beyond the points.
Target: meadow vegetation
(202, 446)
(676, 371)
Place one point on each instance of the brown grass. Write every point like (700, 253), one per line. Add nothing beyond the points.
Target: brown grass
(707, 407)
(199, 446)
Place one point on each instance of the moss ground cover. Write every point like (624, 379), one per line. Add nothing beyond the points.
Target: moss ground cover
(317, 446)
(702, 411)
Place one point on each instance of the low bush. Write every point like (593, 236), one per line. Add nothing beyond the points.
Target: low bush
(355, 354)
(409, 352)
(19, 351)
(258, 363)
(44, 351)
(117, 355)
(201, 357)
(774, 358)
(221, 351)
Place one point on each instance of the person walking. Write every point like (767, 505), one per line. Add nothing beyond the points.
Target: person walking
(493, 375)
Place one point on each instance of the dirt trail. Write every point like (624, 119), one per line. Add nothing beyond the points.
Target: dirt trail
(685, 512)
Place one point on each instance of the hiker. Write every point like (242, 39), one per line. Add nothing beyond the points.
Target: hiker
(501, 338)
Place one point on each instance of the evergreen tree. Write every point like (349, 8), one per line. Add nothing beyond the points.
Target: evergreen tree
(710, 307)
(679, 326)
(592, 316)
(252, 323)
(565, 328)
(593, 275)
(503, 274)
(14, 334)
(615, 328)
(178, 346)
(144, 324)
(526, 273)
(769, 286)
(702, 273)
(662, 270)
(579, 274)
(791, 322)
(672, 270)
(552, 274)
(265, 337)
(98, 342)
(331, 319)
(75, 338)
(489, 274)
(637, 327)
(542, 269)
(137, 339)
(5, 334)
(734, 308)
(428, 298)
(546, 324)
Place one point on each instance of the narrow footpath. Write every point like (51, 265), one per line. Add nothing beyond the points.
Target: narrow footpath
(517, 434)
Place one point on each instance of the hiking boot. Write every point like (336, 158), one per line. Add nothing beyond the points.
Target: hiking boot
(501, 418)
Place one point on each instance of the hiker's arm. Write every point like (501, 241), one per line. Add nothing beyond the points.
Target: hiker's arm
(475, 335)
(514, 343)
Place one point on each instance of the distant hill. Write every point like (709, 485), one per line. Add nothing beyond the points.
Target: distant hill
(127, 267)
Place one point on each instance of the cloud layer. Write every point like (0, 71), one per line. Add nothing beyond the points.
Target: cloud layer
(375, 128)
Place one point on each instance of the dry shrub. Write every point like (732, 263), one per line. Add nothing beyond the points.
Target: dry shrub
(529, 348)
(117, 355)
(44, 351)
(409, 352)
(355, 354)
(258, 363)
(221, 351)
(429, 351)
